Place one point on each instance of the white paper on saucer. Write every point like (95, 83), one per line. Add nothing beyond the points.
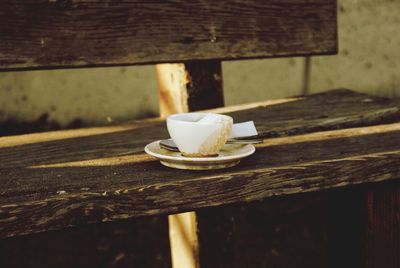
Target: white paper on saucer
(243, 129)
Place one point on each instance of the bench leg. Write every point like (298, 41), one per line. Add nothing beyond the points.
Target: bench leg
(183, 240)
(185, 87)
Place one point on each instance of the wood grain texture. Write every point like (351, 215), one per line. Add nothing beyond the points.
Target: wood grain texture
(69, 33)
(75, 178)
(189, 86)
(204, 87)
(172, 91)
(139, 242)
(383, 227)
(279, 232)
(345, 211)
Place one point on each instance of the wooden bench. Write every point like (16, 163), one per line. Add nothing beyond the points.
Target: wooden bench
(316, 143)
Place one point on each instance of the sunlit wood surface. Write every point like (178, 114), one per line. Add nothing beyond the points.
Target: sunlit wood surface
(68, 178)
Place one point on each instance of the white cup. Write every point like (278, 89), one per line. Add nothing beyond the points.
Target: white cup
(199, 134)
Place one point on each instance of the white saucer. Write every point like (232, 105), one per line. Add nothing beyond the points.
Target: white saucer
(229, 156)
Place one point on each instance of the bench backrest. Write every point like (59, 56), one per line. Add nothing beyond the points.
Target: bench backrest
(38, 34)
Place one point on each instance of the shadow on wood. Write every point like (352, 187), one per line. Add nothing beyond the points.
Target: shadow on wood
(129, 243)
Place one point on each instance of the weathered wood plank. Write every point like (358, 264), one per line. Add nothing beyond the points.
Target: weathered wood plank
(70, 180)
(346, 221)
(383, 227)
(74, 206)
(130, 243)
(190, 86)
(320, 229)
(53, 34)
(282, 232)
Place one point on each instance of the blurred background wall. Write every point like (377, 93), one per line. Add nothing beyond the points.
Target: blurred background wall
(368, 61)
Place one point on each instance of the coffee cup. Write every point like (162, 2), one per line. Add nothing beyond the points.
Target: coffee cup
(199, 134)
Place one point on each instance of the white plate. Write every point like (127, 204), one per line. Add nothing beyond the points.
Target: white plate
(229, 156)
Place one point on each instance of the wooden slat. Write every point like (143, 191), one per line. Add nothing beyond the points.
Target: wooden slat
(70, 180)
(136, 242)
(290, 231)
(54, 34)
(383, 227)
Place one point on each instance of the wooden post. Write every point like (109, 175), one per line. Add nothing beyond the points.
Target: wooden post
(190, 86)
(185, 87)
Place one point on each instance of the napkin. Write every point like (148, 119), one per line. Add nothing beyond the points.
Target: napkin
(243, 129)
